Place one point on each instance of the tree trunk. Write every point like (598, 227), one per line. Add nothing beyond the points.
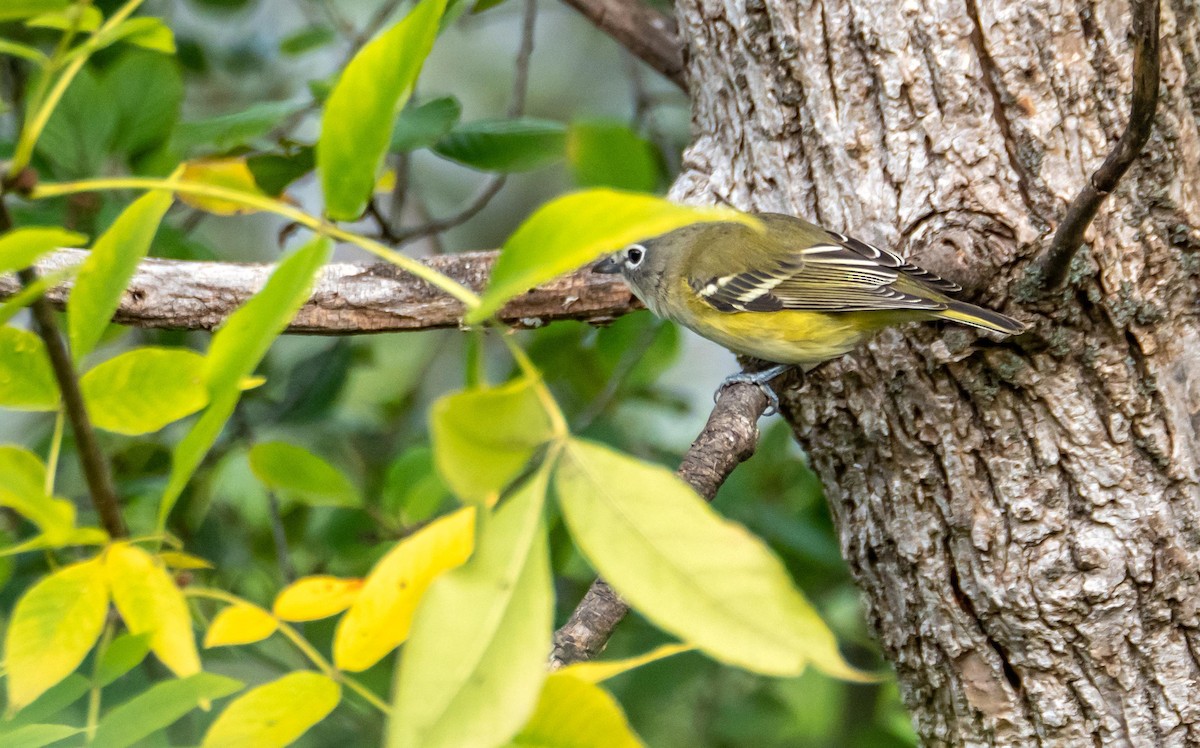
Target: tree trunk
(1022, 516)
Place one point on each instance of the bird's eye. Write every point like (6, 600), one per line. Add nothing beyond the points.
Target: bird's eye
(634, 255)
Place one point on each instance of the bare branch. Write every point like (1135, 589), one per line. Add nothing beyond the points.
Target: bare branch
(348, 299)
(651, 36)
(728, 439)
(1069, 236)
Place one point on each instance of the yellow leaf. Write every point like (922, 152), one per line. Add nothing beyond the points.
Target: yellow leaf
(386, 181)
(573, 713)
(241, 623)
(380, 618)
(150, 603)
(181, 560)
(275, 714)
(54, 625)
(599, 670)
(313, 598)
(228, 173)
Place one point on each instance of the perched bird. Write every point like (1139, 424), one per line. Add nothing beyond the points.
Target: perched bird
(793, 293)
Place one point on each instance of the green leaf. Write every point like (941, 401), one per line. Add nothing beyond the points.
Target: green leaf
(306, 40)
(412, 489)
(36, 736)
(79, 133)
(505, 145)
(236, 350)
(301, 475)
(421, 126)
(275, 714)
(609, 154)
(573, 713)
(144, 121)
(24, 51)
(106, 271)
(81, 18)
(227, 131)
(140, 391)
(573, 230)
(158, 707)
(19, 248)
(25, 8)
(483, 438)
(54, 625)
(273, 172)
(23, 489)
(472, 679)
(49, 704)
(26, 377)
(694, 574)
(122, 655)
(150, 33)
(361, 109)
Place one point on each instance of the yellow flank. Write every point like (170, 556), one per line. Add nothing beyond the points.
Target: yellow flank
(788, 337)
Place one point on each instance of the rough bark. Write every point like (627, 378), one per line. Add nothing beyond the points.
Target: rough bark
(1023, 517)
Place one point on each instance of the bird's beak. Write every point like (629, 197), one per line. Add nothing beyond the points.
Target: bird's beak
(609, 265)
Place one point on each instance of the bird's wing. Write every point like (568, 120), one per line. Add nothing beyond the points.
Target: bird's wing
(845, 275)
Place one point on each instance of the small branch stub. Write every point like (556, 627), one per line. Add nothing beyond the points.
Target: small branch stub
(1069, 237)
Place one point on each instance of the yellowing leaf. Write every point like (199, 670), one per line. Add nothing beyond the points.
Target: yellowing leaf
(378, 621)
(20, 247)
(575, 229)
(149, 602)
(696, 575)
(314, 598)
(475, 663)
(483, 438)
(26, 378)
(240, 623)
(362, 108)
(574, 713)
(301, 475)
(54, 625)
(275, 714)
(109, 266)
(595, 671)
(140, 391)
(23, 489)
(229, 173)
(181, 560)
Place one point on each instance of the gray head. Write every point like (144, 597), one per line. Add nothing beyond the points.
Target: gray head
(645, 264)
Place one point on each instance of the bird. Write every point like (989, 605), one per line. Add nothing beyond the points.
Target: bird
(790, 293)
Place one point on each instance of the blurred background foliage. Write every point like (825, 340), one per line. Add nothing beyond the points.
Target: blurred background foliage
(244, 85)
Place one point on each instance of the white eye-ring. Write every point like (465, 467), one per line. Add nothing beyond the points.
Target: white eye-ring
(634, 254)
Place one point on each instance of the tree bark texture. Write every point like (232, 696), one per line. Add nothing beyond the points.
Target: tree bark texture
(1022, 516)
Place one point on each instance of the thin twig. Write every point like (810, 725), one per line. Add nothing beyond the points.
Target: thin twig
(1070, 234)
(95, 466)
(516, 107)
(651, 36)
(728, 439)
(279, 537)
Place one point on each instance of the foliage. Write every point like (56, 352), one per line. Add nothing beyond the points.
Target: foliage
(289, 500)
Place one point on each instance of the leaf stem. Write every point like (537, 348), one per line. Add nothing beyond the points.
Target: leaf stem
(55, 449)
(466, 296)
(558, 422)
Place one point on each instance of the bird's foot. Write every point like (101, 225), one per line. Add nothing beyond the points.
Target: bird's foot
(763, 380)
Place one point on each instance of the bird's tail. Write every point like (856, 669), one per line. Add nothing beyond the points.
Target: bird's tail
(985, 319)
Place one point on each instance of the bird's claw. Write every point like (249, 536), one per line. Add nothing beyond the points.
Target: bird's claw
(761, 379)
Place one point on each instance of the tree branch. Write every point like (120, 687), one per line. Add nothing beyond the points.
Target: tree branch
(651, 36)
(347, 299)
(727, 440)
(1069, 236)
